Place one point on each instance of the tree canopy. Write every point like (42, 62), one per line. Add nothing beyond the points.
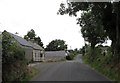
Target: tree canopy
(92, 29)
(56, 45)
(99, 21)
(31, 36)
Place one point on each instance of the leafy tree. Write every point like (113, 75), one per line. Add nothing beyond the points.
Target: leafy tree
(56, 45)
(82, 50)
(107, 12)
(38, 41)
(112, 26)
(92, 29)
(31, 36)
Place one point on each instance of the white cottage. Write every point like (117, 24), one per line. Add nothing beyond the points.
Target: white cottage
(33, 52)
(38, 52)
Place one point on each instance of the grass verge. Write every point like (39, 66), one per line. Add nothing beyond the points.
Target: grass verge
(31, 72)
(108, 69)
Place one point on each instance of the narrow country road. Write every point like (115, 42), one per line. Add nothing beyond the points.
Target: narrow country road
(67, 71)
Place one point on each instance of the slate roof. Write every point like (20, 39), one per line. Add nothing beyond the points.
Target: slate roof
(24, 42)
(35, 46)
(55, 53)
(21, 40)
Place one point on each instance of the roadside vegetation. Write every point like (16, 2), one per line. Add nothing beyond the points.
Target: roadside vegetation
(14, 64)
(103, 61)
(32, 71)
(72, 54)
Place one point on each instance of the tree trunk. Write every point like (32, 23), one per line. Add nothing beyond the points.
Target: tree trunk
(117, 44)
(92, 51)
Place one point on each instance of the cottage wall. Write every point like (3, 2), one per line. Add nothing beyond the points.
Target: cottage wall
(36, 55)
(28, 52)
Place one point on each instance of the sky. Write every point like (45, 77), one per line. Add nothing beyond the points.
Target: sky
(41, 15)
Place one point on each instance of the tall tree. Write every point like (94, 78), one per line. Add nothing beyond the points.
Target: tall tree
(31, 36)
(38, 41)
(90, 21)
(92, 29)
(109, 13)
(56, 45)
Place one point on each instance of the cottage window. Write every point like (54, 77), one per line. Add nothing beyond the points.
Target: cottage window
(40, 54)
(35, 54)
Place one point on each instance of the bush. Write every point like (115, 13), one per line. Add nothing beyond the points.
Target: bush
(14, 64)
(70, 57)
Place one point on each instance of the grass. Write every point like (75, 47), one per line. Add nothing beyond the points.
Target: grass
(32, 71)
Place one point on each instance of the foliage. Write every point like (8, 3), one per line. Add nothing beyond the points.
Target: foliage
(0, 36)
(31, 36)
(82, 50)
(14, 64)
(72, 54)
(103, 63)
(99, 21)
(38, 41)
(56, 45)
(102, 17)
(31, 71)
(92, 29)
(69, 57)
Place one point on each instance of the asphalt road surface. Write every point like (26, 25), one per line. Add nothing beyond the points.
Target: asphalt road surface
(67, 71)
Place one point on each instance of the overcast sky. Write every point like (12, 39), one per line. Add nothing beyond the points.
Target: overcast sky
(41, 15)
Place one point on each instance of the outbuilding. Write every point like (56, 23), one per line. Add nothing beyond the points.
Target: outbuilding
(55, 55)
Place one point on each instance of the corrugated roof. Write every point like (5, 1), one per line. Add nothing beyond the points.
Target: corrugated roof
(21, 40)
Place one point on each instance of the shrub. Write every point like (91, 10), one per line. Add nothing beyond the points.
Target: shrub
(104, 64)
(14, 64)
(70, 57)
